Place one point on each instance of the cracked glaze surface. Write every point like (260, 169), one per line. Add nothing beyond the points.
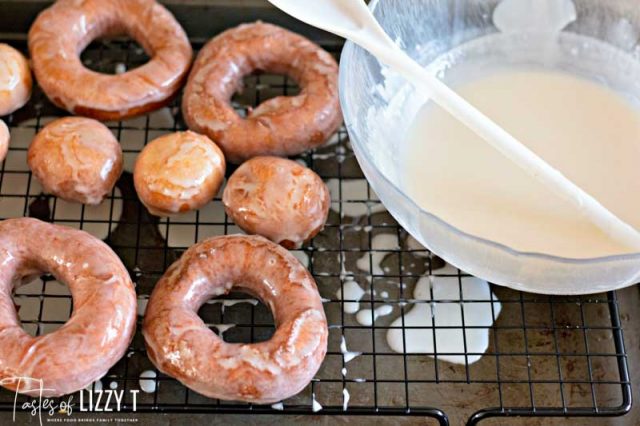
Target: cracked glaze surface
(77, 159)
(15, 80)
(104, 308)
(5, 136)
(181, 345)
(284, 125)
(278, 199)
(178, 172)
(61, 33)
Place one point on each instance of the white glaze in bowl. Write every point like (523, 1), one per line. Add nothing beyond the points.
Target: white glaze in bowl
(444, 33)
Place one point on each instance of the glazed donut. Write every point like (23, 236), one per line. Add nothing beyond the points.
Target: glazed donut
(61, 32)
(181, 345)
(5, 136)
(104, 308)
(77, 159)
(281, 126)
(179, 172)
(278, 199)
(15, 80)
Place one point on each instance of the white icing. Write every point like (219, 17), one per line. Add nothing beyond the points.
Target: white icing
(346, 354)
(343, 269)
(184, 169)
(95, 386)
(345, 399)
(564, 112)
(367, 317)
(260, 360)
(222, 328)
(547, 111)
(10, 72)
(120, 68)
(447, 312)
(187, 181)
(351, 291)
(315, 405)
(143, 301)
(302, 341)
(278, 406)
(106, 168)
(302, 257)
(253, 302)
(372, 262)
(82, 151)
(148, 381)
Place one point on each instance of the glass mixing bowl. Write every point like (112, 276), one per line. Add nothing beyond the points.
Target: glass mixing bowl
(441, 34)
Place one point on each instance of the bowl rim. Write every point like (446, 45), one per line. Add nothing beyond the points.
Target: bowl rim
(349, 49)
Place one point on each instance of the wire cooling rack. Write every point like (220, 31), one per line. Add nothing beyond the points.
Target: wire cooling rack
(548, 356)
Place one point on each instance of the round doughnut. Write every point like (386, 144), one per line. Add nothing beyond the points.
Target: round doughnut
(278, 199)
(104, 308)
(181, 345)
(76, 159)
(282, 126)
(5, 136)
(177, 173)
(15, 80)
(61, 33)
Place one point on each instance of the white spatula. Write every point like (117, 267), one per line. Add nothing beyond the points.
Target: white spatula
(352, 20)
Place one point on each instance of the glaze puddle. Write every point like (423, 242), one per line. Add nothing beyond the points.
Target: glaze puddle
(345, 399)
(346, 354)
(446, 310)
(351, 291)
(148, 381)
(373, 262)
(367, 317)
(315, 405)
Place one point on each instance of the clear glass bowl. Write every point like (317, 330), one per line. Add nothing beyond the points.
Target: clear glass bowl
(431, 30)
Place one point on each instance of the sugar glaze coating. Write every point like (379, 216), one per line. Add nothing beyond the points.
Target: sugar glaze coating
(77, 159)
(5, 137)
(181, 345)
(102, 322)
(179, 172)
(283, 126)
(15, 80)
(278, 199)
(61, 32)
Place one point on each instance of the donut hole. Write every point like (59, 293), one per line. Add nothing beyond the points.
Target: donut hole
(259, 87)
(114, 55)
(238, 318)
(43, 305)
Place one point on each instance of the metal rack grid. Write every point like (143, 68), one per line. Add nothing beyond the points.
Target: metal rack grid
(548, 356)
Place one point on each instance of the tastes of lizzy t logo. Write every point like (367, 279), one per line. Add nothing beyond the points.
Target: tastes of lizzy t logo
(93, 401)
